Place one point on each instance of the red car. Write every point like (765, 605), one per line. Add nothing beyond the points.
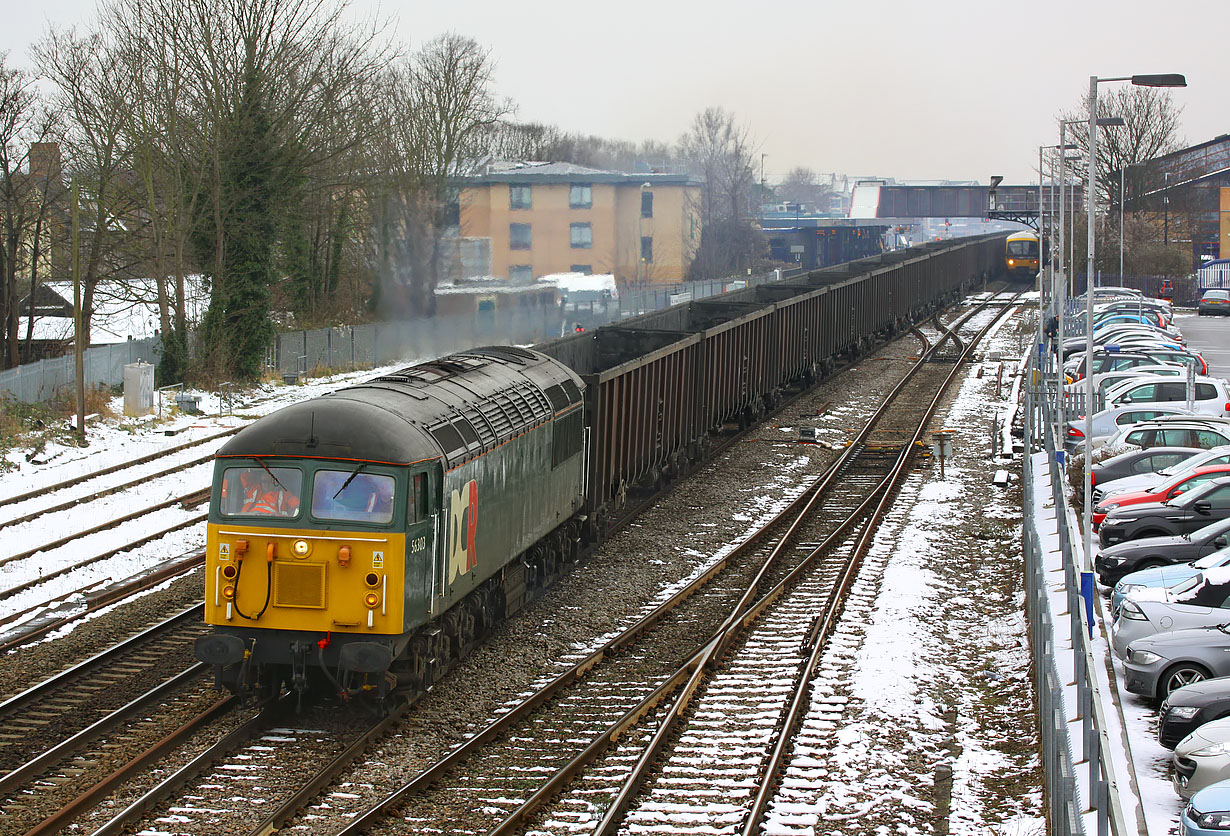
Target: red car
(1159, 493)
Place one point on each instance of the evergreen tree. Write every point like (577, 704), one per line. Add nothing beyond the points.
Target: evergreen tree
(253, 183)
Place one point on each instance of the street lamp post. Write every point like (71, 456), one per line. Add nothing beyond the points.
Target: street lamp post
(1168, 80)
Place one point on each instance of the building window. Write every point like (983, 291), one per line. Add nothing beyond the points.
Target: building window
(646, 248)
(582, 236)
(580, 196)
(521, 274)
(646, 204)
(519, 197)
(587, 269)
(518, 236)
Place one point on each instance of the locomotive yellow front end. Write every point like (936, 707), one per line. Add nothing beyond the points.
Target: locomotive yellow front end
(305, 572)
(1021, 254)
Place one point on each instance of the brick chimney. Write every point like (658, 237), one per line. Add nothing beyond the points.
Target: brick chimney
(45, 161)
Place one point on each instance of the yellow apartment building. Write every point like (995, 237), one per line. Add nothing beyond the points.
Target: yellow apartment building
(528, 220)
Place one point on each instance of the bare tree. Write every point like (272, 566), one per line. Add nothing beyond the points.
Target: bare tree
(24, 122)
(94, 95)
(277, 88)
(802, 186)
(719, 150)
(439, 112)
(1151, 129)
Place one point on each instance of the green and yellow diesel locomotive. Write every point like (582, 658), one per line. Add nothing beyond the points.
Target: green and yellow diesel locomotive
(364, 539)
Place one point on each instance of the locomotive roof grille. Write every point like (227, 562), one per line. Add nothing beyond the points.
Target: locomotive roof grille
(485, 425)
(461, 406)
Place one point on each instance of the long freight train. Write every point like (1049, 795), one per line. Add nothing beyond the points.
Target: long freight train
(365, 539)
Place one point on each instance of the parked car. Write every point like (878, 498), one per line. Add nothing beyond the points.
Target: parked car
(1156, 665)
(1202, 758)
(1160, 307)
(1105, 381)
(1143, 479)
(1114, 563)
(1182, 431)
(1109, 422)
(1196, 602)
(1134, 464)
(1169, 574)
(1190, 707)
(1214, 302)
(1208, 812)
(1118, 334)
(1105, 360)
(1211, 396)
(1113, 360)
(1170, 489)
(1186, 513)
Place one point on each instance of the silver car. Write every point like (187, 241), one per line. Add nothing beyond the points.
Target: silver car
(1197, 602)
(1158, 664)
(1202, 758)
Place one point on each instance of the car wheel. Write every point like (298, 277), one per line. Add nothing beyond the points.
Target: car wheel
(1151, 563)
(1184, 673)
(1150, 532)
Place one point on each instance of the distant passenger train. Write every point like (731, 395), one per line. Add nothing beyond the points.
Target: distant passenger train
(1021, 254)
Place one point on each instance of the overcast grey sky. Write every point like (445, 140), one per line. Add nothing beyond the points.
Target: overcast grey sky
(958, 89)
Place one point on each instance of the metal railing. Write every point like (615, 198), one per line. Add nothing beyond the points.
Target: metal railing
(1072, 796)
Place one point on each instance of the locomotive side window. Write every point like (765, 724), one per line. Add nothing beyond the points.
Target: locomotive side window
(261, 492)
(568, 438)
(417, 507)
(353, 495)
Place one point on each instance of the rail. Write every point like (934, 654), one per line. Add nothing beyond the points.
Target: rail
(741, 614)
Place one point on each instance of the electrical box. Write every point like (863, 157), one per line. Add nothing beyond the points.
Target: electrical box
(138, 389)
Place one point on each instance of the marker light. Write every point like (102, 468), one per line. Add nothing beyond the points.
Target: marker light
(229, 572)
(371, 579)
(301, 548)
(371, 599)
(228, 592)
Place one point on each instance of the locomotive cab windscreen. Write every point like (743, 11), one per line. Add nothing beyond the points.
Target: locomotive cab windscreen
(1026, 248)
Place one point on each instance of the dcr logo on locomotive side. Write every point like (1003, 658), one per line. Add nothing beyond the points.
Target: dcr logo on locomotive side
(462, 522)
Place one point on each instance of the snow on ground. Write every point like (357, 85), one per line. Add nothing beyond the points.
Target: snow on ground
(115, 441)
(940, 678)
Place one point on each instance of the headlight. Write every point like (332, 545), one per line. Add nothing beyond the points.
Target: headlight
(1142, 657)
(1108, 508)
(1110, 560)
(1213, 821)
(1132, 612)
(1211, 751)
(1183, 712)
(1125, 588)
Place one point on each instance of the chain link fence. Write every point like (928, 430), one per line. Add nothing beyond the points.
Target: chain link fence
(295, 354)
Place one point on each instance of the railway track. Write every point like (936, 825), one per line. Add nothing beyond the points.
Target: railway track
(57, 495)
(603, 679)
(74, 730)
(627, 679)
